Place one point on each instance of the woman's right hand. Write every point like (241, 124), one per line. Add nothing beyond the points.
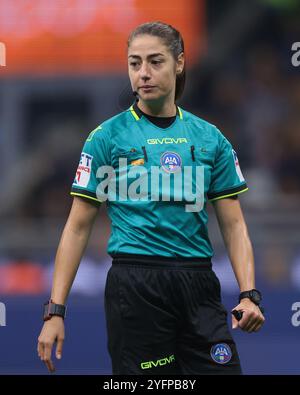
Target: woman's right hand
(52, 331)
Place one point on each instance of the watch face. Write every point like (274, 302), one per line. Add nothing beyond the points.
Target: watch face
(46, 312)
(255, 296)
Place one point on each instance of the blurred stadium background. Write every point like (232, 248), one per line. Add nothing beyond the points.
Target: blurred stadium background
(65, 73)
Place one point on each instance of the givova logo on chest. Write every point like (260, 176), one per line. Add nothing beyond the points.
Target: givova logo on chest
(168, 140)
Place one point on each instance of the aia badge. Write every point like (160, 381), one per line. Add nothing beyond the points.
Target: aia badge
(170, 161)
(237, 166)
(221, 353)
(83, 172)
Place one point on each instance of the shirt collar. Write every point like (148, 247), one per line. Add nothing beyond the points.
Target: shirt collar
(140, 112)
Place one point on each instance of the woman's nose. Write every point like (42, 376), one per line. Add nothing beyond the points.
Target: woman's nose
(144, 70)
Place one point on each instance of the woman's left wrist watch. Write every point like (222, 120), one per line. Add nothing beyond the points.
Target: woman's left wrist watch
(253, 294)
(51, 309)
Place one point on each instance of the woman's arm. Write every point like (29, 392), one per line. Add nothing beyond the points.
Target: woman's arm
(71, 247)
(238, 244)
(69, 253)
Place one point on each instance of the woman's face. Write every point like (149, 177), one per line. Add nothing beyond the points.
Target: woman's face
(152, 68)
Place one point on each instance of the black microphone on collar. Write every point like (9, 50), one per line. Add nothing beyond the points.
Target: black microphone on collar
(136, 95)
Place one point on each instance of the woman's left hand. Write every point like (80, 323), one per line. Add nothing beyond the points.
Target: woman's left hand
(252, 319)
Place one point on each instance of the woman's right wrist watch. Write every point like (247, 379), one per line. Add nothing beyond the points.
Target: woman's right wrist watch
(51, 309)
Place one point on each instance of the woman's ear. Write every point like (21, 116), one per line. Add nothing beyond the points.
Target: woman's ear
(180, 63)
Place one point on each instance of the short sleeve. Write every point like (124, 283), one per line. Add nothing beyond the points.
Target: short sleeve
(227, 178)
(95, 153)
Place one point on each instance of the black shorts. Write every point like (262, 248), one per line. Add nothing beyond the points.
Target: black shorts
(165, 316)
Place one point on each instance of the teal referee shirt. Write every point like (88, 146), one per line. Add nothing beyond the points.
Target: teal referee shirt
(156, 181)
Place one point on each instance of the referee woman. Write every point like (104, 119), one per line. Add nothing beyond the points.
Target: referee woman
(163, 307)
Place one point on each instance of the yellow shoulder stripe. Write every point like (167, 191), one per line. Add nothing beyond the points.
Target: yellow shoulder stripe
(91, 135)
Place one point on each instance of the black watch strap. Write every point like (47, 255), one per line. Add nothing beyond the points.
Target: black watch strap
(253, 294)
(51, 309)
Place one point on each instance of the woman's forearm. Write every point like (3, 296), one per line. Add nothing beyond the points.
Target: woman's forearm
(71, 247)
(236, 238)
(68, 257)
(240, 252)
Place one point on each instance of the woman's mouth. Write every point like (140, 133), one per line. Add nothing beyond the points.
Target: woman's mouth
(147, 88)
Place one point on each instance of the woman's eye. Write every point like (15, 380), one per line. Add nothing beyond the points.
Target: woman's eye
(156, 61)
(134, 64)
